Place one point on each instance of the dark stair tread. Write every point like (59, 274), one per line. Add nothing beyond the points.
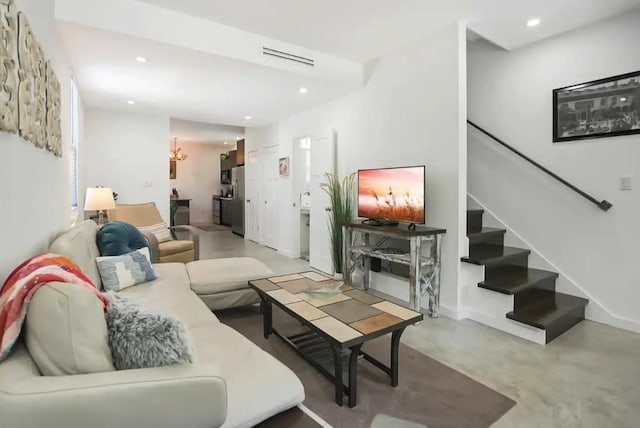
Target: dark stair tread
(487, 231)
(544, 312)
(481, 254)
(513, 279)
(480, 211)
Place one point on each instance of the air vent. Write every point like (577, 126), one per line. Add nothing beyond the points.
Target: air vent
(288, 56)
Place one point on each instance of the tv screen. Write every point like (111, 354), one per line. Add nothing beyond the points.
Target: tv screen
(395, 194)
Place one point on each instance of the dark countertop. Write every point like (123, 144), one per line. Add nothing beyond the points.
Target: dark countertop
(222, 198)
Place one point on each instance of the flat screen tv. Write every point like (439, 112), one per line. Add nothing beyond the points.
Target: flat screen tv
(392, 195)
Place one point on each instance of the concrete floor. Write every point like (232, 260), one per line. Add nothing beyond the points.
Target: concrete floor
(588, 377)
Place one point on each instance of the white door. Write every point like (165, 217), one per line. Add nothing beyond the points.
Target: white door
(322, 161)
(252, 196)
(269, 219)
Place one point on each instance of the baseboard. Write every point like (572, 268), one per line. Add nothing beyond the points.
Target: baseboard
(314, 416)
(286, 253)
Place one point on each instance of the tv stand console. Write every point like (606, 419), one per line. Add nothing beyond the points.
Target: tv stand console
(424, 274)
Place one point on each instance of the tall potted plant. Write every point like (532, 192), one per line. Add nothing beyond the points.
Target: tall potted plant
(342, 200)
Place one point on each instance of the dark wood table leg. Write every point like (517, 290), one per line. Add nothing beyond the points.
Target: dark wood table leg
(267, 323)
(353, 375)
(395, 347)
(337, 375)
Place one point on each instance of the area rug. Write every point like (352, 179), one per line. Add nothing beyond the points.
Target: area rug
(213, 227)
(429, 393)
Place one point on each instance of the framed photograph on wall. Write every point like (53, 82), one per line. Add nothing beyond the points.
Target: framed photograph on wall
(601, 108)
(284, 166)
(172, 170)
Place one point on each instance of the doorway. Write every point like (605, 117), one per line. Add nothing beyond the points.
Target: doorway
(268, 211)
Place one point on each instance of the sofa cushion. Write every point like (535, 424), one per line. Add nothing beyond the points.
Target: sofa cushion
(127, 270)
(174, 247)
(118, 238)
(220, 275)
(170, 293)
(140, 337)
(66, 332)
(79, 244)
(258, 385)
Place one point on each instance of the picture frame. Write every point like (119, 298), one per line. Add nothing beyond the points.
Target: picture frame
(283, 166)
(601, 108)
(172, 170)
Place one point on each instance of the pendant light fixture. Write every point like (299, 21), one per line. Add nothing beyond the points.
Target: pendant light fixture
(176, 154)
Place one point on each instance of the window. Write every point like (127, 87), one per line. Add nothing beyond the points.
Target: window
(75, 135)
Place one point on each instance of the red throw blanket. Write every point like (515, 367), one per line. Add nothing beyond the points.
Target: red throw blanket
(23, 282)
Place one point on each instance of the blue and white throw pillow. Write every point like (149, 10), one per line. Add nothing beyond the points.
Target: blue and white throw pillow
(120, 272)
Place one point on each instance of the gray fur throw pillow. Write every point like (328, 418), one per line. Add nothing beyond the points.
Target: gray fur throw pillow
(140, 337)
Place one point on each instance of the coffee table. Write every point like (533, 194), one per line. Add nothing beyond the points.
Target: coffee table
(337, 325)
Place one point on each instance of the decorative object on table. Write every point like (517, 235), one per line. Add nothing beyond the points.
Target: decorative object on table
(176, 154)
(99, 199)
(142, 338)
(25, 279)
(283, 165)
(325, 288)
(602, 108)
(127, 270)
(342, 200)
(172, 169)
(29, 89)
(118, 237)
(9, 61)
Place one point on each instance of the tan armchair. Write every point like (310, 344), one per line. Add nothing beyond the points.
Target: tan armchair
(147, 214)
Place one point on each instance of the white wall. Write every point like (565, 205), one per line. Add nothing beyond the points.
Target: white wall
(35, 183)
(198, 178)
(411, 111)
(597, 253)
(128, 152)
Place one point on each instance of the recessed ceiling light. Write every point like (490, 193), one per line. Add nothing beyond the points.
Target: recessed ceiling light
(226, 142)
(238, 138)
(141, 59)
(131, 102)
(247, 118)
(533, 22)
(623, 99)
(303, 90)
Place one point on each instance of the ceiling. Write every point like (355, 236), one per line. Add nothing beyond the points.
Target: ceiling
(183, 83)
(205, 133)
(205, 56)
(360, 30)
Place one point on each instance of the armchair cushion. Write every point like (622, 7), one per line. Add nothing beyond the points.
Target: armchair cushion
(118, 238)
(174, 247)
(66, 332)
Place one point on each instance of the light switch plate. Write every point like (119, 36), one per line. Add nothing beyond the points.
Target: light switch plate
(625, 183)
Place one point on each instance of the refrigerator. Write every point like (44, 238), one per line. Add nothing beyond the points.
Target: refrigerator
(237, 204)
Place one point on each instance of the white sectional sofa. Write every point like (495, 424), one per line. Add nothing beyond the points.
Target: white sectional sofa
(233, 383)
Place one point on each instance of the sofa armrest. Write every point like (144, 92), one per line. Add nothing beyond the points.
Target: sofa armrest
(153, 246)
(195, 237)
(189, 396)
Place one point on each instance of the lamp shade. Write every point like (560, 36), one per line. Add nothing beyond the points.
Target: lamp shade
(98, 199)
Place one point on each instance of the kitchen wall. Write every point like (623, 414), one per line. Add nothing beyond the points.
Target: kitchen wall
(198, 178)
(35, 183)
(128, 152)
(412, 110)
(510, 93)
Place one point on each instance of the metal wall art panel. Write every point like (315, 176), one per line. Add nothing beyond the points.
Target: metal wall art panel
(8, 67)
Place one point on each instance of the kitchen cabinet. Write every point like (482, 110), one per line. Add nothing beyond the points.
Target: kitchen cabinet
(216, 210)
(240, 153)
(225, 211)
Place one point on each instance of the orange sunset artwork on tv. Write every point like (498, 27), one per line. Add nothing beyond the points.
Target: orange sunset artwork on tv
(392, 194)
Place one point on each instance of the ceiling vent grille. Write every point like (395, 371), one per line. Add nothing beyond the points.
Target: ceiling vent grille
(288, 56)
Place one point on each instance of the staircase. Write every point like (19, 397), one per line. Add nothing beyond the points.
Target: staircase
(536, 302)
